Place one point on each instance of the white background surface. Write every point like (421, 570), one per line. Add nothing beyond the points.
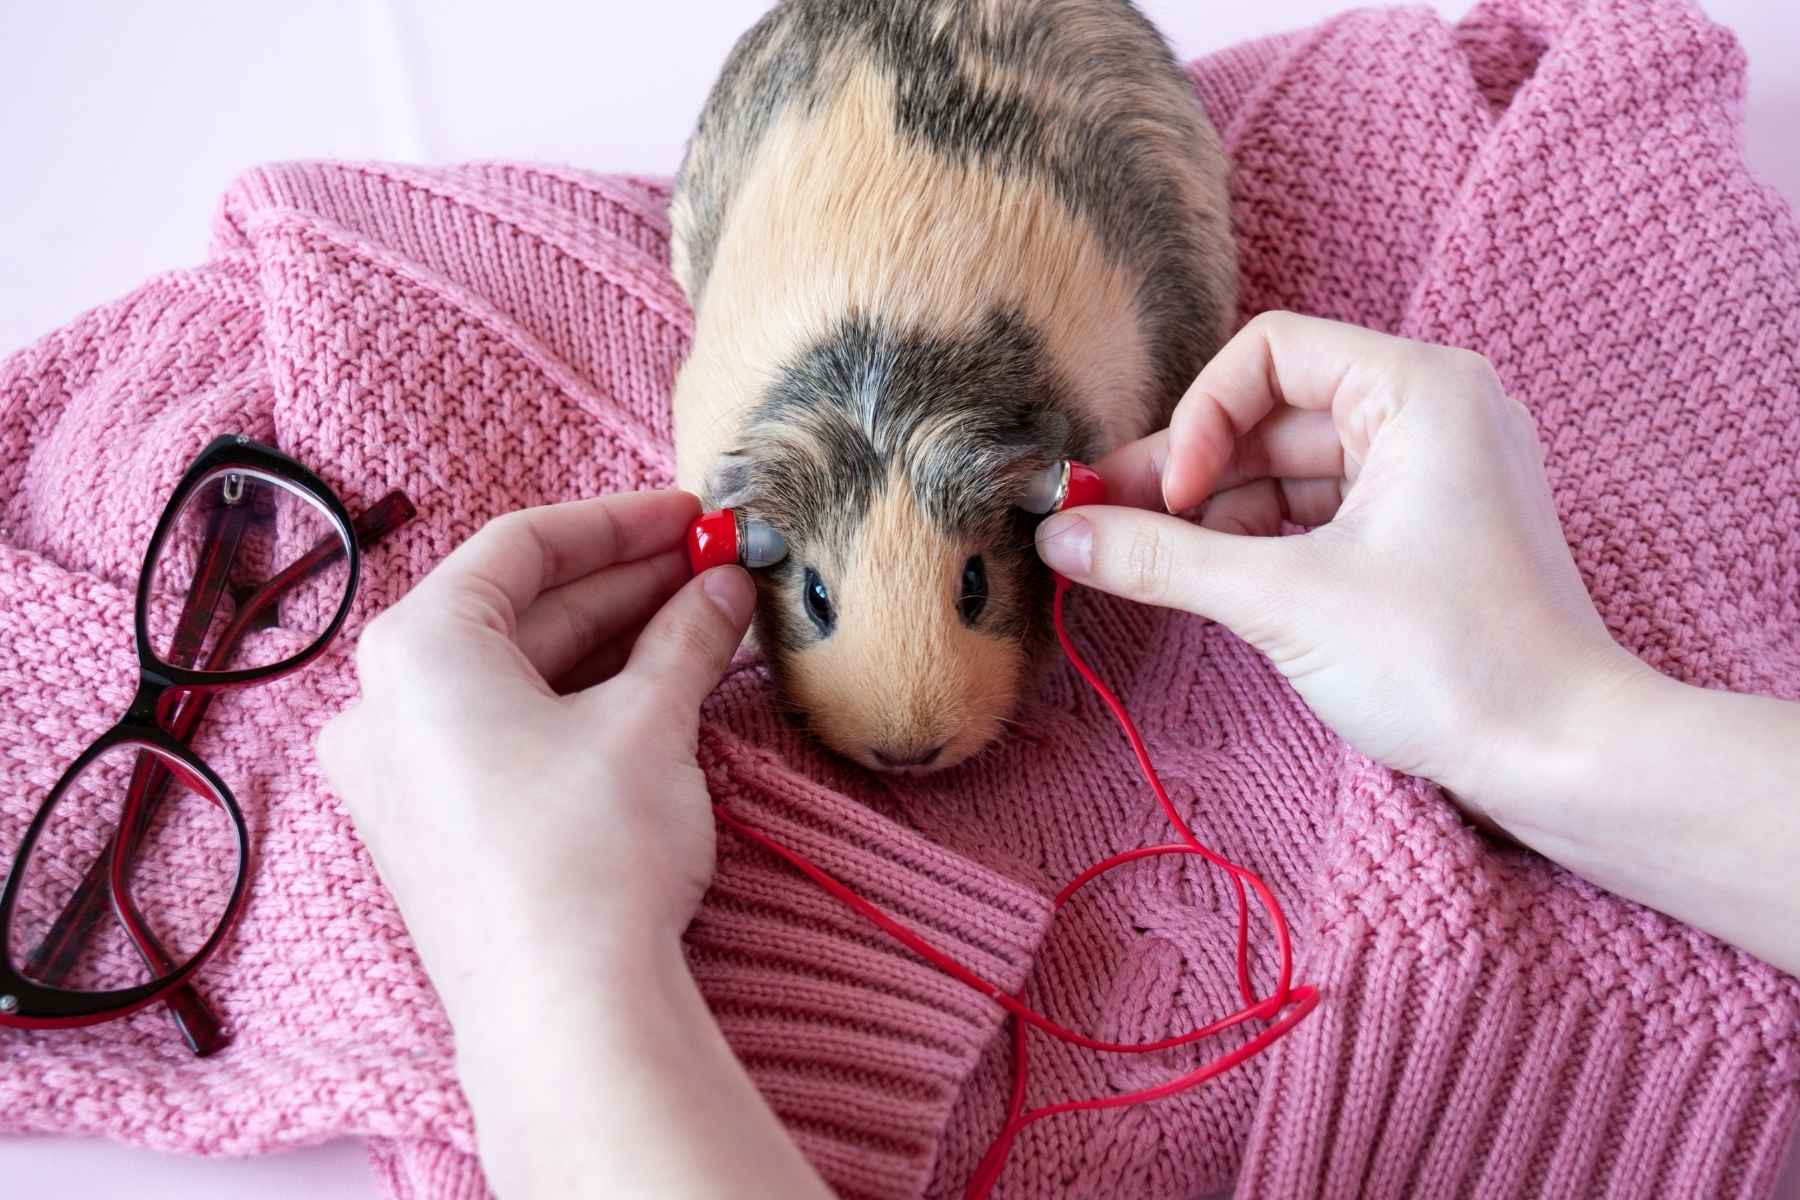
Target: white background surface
(122, 123)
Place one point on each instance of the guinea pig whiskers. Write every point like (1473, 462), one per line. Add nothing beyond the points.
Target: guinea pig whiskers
(794, 709)
(1020, 547)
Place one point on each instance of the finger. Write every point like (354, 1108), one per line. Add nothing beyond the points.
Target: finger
(1133, 473)
(338, 749)
(331, 747)
(597, 667)
(1277, 360)
(514, 559)
(1250, 509)
(682, 653)
(567, 623)
(1289, 443)
(1312, 502)
(1259, 508)
(1158, 559)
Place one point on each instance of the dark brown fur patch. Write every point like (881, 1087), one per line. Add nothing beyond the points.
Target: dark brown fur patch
(1114, 168)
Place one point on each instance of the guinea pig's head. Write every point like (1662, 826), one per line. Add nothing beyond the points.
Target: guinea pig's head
(910, 613)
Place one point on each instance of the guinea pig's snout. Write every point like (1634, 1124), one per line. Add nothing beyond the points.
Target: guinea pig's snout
(895, 759)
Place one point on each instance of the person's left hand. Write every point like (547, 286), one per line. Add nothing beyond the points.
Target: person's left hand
(521, 762)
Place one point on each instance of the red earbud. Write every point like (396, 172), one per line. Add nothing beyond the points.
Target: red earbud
(1066, 484)
(712, 540)
(724, 537)
(1084, 486)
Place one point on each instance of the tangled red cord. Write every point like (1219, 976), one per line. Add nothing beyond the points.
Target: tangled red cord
(1288, 1002)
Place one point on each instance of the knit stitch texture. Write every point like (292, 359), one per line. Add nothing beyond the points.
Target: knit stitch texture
(1558, 185)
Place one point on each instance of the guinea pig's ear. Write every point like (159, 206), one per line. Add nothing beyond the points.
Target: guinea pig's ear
(1047, 443)
(1052, 432)
(732, 482)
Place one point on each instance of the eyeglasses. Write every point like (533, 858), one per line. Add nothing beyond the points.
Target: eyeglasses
(250, 573)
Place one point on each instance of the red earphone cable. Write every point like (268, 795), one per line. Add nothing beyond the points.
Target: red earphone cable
(1301, 999)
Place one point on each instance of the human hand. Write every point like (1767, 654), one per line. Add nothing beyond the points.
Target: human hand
(1434, 616)
(524, 828)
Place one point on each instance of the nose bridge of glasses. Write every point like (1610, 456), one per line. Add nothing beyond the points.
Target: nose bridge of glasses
(155, 703)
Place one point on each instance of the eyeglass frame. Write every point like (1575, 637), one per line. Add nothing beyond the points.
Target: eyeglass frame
(167, 706)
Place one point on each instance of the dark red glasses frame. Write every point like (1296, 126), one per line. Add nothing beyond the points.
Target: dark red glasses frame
(173, 694)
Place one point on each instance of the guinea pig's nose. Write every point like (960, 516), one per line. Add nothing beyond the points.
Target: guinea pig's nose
(906, 760)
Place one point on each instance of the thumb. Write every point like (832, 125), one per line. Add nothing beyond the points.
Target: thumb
(1158, 559)
(682, 653)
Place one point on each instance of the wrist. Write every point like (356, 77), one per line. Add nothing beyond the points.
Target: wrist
(616, 1076)
(551, 987)
(1675, 796)
(1564, 742)
(546, 1052)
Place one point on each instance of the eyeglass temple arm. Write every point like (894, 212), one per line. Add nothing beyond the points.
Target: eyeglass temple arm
(199, 1026)
(376, 522)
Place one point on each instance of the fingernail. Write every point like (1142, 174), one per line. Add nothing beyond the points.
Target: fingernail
(1170, 475)
(1066, 543)
(730, 590)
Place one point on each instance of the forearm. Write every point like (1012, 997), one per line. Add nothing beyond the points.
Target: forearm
(1683, 799)
(617, 1081)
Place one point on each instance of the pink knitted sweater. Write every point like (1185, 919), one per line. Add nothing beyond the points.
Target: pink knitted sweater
(1557, 185)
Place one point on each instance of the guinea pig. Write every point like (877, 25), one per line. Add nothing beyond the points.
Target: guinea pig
(933, 246)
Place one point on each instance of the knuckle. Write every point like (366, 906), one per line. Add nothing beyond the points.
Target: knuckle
(1472, 367)
(694, 635)
(336, 745)
(521, 527)
(376, 643)
(1147, 563)
(1267, 326)
(504, 524)
(388, 645)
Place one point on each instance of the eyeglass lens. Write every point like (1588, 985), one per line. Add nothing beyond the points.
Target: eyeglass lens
(266, 564)
(180, 862)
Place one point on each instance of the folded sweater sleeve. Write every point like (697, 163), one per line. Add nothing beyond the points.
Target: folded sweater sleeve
(860, 1047)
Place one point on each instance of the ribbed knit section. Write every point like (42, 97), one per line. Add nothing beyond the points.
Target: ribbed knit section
(1481, 1036)
(1448, 1075)
(861, 1047)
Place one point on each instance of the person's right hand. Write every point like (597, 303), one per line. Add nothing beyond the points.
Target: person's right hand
(1434, 617)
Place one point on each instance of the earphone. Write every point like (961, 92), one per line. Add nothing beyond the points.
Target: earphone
(725, 536)
(1067, 484)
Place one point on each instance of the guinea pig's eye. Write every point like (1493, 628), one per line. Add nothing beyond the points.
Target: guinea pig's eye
(818, 603)
(974, 590)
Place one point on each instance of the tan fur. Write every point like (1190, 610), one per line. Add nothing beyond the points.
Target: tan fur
(833, 212)
(904, 688)
(838, 214)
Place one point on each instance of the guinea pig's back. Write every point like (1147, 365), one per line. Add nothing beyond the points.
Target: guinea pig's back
(932, 163)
